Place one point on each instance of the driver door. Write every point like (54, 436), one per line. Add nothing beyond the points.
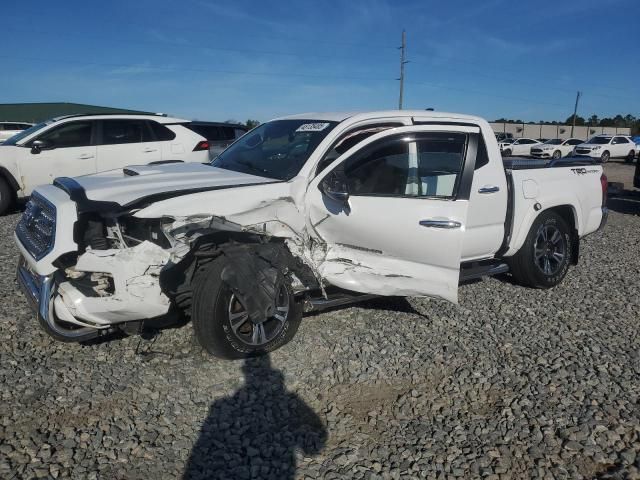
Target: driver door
(399, 230)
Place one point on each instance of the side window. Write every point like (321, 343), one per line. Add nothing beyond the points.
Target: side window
(350, 139)
(115, 132)
(72, 134)
(162, 133)
(428, 166)
(621, 140)
(482, 157)
(383, 171)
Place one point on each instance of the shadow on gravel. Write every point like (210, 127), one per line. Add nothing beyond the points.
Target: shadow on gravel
(256, 432)
(627, 202)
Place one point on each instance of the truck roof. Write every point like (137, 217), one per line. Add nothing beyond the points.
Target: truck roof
(341, 116)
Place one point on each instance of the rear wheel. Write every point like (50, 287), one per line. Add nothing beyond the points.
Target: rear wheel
(543, 260)
(557, 154)
(6, 196)
(630, 157)
(604, 158)
(221, 322)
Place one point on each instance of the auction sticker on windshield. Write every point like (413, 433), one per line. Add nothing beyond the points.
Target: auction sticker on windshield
(312, 127)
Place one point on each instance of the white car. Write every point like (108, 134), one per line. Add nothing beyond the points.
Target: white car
(555, 148)
(313, 210)
(77, 145)
(605, 147)
(519, 147)
(9, 129)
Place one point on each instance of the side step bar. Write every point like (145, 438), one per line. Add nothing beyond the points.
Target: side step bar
(336, 300)
(474, 270)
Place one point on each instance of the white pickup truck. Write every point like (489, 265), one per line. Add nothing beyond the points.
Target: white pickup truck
(303, 212)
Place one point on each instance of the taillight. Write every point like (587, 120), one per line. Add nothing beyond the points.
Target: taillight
(605, 183)
(203, 145)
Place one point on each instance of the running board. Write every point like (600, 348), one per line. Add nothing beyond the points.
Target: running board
(337, 300)
(474, 270)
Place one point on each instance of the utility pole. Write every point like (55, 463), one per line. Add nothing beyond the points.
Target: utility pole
(575, 112)
(403, 49)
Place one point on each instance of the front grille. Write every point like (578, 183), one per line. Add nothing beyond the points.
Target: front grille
(583, 150)
(37, 227)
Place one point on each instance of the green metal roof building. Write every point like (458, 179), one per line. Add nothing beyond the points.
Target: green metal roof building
(37, 112)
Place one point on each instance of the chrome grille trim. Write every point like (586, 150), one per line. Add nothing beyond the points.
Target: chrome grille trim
(36, 230)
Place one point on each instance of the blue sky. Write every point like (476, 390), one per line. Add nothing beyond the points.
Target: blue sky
(219, 60)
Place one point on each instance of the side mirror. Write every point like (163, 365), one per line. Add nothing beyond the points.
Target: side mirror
(335, 187)
(38, 145)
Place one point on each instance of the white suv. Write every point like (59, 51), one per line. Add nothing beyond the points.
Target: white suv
(9, 129)
(82, 144)
(605, 147)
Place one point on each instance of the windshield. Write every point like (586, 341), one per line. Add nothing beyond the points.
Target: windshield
(25, 133)
(600, 140)
(508, 140)
(554, 141)
(275, 149)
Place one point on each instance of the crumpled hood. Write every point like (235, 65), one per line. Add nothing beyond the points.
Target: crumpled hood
(127, 185)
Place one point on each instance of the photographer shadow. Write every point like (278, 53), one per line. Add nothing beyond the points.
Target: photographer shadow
(256, 432)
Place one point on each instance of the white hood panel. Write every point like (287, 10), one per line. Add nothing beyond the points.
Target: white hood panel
(124, 186)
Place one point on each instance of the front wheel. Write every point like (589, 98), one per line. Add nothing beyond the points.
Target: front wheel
(6, 196)
(604, 158)
(221, 322)
(557, 154)
(543, 260)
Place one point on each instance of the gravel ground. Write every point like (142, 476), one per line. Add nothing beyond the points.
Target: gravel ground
(512, 383)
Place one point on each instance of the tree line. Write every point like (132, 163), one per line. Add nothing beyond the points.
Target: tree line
(620, 121)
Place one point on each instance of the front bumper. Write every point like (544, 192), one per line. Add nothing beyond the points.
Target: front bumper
(36, 288)
(541, 154)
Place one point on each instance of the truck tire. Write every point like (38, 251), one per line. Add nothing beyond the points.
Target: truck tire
(6, 196)
(631, 157)
(223, 328)
(604, 158)
(544, 258)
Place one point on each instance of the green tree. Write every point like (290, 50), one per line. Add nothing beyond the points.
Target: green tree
(579, 120)
(252, 124)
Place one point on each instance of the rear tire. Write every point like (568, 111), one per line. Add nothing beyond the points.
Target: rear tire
(218, 322)
(544, 258)
(631, 157)
(604, 158)
(7, 196)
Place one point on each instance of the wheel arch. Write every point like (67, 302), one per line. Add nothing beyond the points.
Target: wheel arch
(10, 179)
(568, 213)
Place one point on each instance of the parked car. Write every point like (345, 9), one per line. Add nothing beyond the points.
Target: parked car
(555, 148)
(636, 140)
(219, 135)
(520, 146)
(605, 147)
(9, 129)
(313, 210)
(81, 144)
(500, 136)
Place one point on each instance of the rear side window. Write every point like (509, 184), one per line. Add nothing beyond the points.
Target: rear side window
(482, 157)
(620, 140)
(115, 132)
(72, 134)
(214, 133)
(160, 132)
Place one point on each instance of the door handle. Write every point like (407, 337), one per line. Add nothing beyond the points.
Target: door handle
(149, 150)
(85, 156)
(489, 190)
(440, 223)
